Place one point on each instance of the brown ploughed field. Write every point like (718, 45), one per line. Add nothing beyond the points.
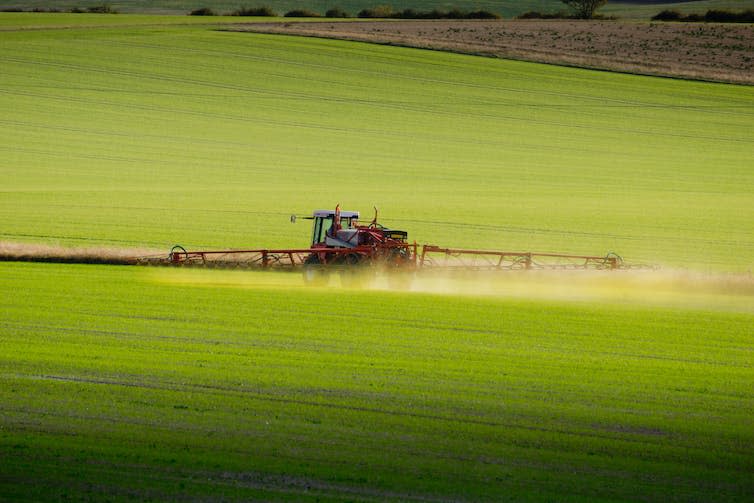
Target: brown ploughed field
(704, 51)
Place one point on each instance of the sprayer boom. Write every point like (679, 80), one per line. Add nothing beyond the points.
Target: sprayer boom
(340, 241)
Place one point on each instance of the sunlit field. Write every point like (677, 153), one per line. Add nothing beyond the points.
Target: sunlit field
(150, 136)
(146, 383)
(124, 382)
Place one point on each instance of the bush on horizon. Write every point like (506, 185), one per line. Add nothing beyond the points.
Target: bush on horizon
(263, 11)
(336, 12)
(386, 12)
(301, 13)
(203, 11)
(712, 16)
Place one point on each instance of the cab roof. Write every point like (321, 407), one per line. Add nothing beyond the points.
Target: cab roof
(331, 213)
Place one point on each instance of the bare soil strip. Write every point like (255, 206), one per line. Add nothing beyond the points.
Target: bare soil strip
(700, 51)
(25, 252)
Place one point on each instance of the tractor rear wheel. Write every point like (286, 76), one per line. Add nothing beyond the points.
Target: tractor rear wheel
(400, 269)
(353, 274)
(315, 272)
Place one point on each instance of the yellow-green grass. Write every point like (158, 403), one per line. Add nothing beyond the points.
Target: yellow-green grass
(132, 383)
(147, 136)
(13, 21)
(122, 383)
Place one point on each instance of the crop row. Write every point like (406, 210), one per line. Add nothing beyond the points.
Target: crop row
(373, 394)
(212, 139)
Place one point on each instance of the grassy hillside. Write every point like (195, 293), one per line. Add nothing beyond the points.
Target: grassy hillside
(126, 383)
(508, 9)
(156, 135)
(121, 384)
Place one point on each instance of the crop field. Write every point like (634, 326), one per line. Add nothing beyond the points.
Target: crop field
(127, 383)
(712, 52)
(148, 136)
(151, 384)
(631, 9)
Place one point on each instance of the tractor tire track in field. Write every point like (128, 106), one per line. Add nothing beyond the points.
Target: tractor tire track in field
(634, 438)
(324, 345)
(452, 224)
(265, 342)
(637, 436)
(603, 102)
(286, 484)
(523, 89)
(745, 236)
(404, 106)
(371, 132)
(134, 244)
(308, 486)
(520, 145)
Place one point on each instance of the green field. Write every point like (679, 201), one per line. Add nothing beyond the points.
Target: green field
(125, 383)
(508, 9)
(148, 136)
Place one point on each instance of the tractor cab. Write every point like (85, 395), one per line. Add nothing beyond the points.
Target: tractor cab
(328, 231)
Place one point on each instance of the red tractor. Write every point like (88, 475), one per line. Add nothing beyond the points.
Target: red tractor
(339, 240)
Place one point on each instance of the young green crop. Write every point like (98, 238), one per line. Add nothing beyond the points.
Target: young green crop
(127, 383)
(120, 382)
(153, 136)
(157, 135)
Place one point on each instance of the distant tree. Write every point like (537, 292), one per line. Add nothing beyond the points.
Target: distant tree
(203, 11)
(668, 15)
(301, 13)
(101, 9)
(255, 12)
(585, 9)
(381, 11)
(336, 12)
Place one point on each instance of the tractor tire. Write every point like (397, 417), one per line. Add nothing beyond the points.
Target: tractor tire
(353, 273)
(400, 273)
(315, 272)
